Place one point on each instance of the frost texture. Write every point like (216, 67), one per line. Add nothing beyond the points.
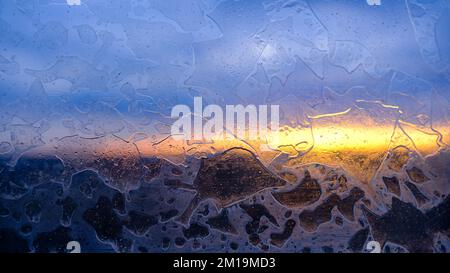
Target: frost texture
(86, 91)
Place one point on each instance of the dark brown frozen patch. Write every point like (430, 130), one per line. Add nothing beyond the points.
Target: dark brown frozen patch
(439, 217)
(279, 239)
(254, 228)
(256, 211)
(229, 177)
(222, 223)
(346, 205)
(305, 193)
(404, 225)
(195, 230)
(358, 240)
(418, 195)
(417, 175)
(233, 176)
(310, 220)
(392, 185)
